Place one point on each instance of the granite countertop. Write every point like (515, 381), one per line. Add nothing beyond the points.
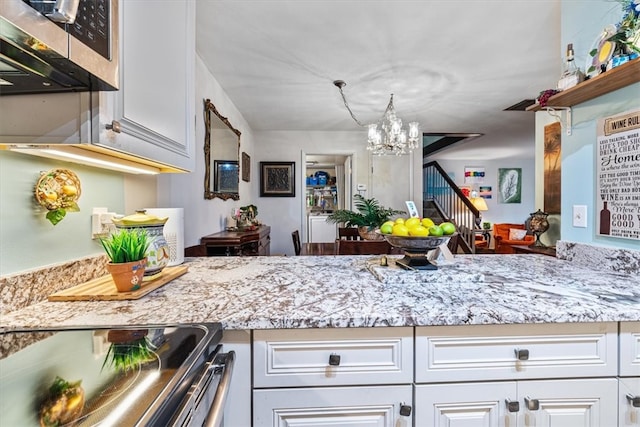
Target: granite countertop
(355, 291)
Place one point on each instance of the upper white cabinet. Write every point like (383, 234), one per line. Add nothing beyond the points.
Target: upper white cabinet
(152, 115)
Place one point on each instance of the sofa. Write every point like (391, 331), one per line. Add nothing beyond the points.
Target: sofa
(505, 238)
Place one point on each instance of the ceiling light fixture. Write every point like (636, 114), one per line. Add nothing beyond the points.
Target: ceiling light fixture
(390, 138)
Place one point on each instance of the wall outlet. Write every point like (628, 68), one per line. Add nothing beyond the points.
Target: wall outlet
(101, 223)
(580, 216)
(362, 187)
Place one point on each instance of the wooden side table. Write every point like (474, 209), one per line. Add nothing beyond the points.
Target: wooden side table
(238, 243)
(549, 251)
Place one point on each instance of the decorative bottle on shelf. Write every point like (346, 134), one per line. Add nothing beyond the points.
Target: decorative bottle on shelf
(605, 219)
(571, 75)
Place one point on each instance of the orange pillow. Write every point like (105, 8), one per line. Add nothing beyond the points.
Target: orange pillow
(516, 234)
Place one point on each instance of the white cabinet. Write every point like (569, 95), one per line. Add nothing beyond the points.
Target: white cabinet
(374, 406)
(154, 109)
(566, 403)
(333, 377)
(321, 231)
(581, 359)
(629, 402)
(492, 352)
(629, 392)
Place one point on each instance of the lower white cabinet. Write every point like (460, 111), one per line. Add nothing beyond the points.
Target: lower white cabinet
(374, 406)
(629, 402)
(566, 403)
(629, 391)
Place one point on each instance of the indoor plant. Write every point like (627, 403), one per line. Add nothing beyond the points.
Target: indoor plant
(126, 248)
(369, 216)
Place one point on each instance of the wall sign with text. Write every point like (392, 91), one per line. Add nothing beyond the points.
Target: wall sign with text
(618, 176)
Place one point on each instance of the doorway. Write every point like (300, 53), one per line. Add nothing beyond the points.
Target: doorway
(327, 180)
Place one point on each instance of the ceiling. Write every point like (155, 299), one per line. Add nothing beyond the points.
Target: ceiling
(453, 66)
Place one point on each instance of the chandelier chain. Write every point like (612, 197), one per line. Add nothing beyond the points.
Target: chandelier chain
(346, 104)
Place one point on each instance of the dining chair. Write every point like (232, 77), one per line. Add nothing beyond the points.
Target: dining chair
(348, 233)
(295, 236)
(362, 247)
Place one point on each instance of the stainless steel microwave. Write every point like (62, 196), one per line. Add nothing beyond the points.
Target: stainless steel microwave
(58, 46)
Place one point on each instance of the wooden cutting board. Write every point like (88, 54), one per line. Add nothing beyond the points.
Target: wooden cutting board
(103, 288)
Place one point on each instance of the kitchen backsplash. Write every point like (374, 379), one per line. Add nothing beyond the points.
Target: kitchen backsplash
(22, 289)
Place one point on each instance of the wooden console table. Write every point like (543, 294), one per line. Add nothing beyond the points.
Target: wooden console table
(238, 243)
(550, 251)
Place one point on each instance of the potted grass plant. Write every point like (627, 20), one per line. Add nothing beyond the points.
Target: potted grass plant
(126, 248)
(369, 216)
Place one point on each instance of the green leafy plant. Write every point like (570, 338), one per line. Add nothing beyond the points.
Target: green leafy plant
(129, 355)
(126, 245)
(369, 214)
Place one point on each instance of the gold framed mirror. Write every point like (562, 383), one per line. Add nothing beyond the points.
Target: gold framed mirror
(221, 155)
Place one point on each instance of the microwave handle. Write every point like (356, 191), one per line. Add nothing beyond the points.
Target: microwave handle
(65, 11)
(214, 418)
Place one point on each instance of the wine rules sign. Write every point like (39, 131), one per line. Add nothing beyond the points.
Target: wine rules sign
(618, 176)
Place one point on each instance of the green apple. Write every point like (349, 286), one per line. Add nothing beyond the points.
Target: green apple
(448, 228)
(435, 230)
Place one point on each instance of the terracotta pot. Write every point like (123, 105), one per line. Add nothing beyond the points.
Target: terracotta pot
(369, 235)
(127, 276)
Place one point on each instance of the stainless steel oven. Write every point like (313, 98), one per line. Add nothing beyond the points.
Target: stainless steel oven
(58, 46)
(120, 376)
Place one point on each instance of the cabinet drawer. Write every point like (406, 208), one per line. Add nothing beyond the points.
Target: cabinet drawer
(300, 357)
(332, 406)
(467, 353)
(630, 349)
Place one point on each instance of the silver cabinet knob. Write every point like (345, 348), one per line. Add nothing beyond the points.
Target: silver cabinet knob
(522, 353)
(531, 404)
(334, 359)
(114, 126)
(634, 400)
(512, 405)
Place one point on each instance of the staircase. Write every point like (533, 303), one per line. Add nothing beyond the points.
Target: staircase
(443, 201)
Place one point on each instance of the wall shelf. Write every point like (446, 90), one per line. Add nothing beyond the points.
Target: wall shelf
(609, 81)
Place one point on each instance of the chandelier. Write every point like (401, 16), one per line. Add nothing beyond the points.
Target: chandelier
(387, 135)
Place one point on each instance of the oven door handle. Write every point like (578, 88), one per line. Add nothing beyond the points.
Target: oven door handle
(214, 417)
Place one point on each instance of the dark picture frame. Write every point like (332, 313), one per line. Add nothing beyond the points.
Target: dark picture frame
(277, 179)
(225, 176)
(246, 167)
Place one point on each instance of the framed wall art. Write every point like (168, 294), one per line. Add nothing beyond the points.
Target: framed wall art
(277, 179)
(246, 167)
(552, 162)
(509, 185)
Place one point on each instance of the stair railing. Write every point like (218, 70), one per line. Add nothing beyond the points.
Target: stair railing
(452, 204)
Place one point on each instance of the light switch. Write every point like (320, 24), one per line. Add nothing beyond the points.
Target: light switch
(580, 216)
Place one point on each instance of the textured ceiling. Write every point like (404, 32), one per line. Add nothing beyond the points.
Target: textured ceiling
(453, 66)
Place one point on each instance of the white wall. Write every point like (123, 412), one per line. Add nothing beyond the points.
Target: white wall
(286, 214)
(201, 216)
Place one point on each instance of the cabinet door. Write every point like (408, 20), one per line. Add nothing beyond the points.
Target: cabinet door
(630, 349)
(628, 414)
(155, 104)
(569, 403)
(326, 407)
(465, 405)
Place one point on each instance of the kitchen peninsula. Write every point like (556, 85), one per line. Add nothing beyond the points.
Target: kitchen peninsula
(397, 331)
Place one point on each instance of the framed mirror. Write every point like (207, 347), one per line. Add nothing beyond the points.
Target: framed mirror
(221, 155)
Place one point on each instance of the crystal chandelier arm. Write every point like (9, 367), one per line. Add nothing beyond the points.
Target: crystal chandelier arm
(340, 84)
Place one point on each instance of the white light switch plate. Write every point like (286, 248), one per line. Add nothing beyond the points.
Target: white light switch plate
(580, 216)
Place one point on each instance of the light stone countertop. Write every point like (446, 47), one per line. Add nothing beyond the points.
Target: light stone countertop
(355, 291)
